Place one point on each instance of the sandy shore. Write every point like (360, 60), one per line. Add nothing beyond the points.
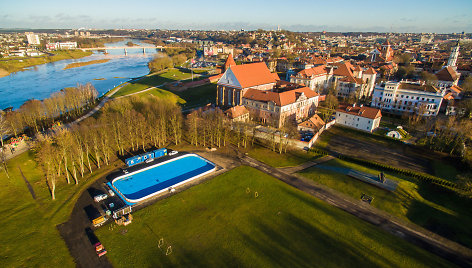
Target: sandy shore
(3, 73)
(80, 64)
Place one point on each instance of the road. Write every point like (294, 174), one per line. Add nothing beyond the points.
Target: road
(436, 244)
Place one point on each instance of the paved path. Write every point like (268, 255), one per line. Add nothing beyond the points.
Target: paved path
(21, 148)
(292, 170)
(434, 243)
(139, 92)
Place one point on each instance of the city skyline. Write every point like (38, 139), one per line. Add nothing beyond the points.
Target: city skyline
(342, 16)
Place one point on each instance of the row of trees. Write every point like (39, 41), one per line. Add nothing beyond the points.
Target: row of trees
(35, 115)
(128, 126)
(124, 126)
(173, 57)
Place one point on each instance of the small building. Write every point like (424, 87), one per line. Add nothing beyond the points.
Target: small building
(358, 117)
(313, 124)
(238, 114)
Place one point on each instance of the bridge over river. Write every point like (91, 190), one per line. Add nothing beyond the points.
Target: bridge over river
(126, 48)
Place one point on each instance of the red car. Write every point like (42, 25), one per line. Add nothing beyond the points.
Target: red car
(100, 249)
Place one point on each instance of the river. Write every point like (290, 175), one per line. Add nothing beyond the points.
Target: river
(38, 82)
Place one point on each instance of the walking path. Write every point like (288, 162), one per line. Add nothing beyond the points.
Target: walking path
(415, 234)
(292, 170)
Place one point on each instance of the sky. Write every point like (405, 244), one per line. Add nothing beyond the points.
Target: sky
(439, 16)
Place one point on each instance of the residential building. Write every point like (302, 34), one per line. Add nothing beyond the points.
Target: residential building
(33, 39)
(238, 114)
(358, 117)
(61, 45)
(347, 78)
(408, 97)
(314, 124)
(276, 107)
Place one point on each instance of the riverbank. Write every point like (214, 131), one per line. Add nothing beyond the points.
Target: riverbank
(4, 73)
(16, 65)
(85, 63)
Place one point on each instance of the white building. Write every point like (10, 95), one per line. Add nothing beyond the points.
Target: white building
(33, 39)
(408, 97)
(358, 117)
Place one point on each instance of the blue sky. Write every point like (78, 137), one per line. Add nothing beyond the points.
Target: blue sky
(442, 16)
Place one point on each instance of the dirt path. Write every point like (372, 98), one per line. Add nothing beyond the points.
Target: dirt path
(434, 243)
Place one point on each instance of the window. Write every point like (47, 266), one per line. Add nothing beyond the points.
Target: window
(417, 98)
(402, 96)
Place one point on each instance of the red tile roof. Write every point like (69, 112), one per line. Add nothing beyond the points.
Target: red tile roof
(344, 69)
(314, 122)
(315, 71)
(370, 71)
(367, 112)
(280, 99)
(447, 74)
(229, 61)
(456, 89)
(254, 74)
(236, 111)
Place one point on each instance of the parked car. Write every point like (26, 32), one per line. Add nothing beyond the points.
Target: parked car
(100, 249)
(100, 197)
(173, 152)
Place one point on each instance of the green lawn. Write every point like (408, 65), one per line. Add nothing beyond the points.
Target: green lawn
(289, 159)
(28, 234)
(152, 80)
(445, 170)
(221, 223)
(19, 64)
(441, 212)
(189, 98)
(198, 96)
(163, 94)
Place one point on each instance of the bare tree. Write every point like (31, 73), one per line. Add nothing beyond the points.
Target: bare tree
(4, 127)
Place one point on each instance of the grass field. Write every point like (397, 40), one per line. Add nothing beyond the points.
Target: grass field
(28, 234)
(221, 223)
(189, 98)
(289, 159)
(152, 80)
(441, 212)
(16, 65)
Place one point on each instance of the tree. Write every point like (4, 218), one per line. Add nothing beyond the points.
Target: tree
(4, 128)
(467, 85)
(160, 63)
(429, 78)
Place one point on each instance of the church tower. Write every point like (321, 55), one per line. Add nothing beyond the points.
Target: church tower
(453, 57)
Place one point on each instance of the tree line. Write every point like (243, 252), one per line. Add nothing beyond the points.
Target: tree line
(35, 115)
(172, 57)
(130, 126)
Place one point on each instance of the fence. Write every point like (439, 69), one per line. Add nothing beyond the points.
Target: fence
(309, 144)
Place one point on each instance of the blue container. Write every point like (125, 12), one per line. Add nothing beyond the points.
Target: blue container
(160, 152)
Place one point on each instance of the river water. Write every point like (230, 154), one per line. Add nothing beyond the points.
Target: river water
(38, 82)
